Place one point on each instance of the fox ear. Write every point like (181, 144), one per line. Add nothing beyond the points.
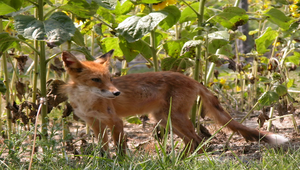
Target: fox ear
(70, 60)
(104, 59)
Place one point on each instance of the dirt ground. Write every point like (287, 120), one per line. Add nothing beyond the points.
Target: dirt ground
(141, 137)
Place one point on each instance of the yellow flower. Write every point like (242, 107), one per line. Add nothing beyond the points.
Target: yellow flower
(295, 14)
(222, 81)
(142, 7)
(277, 44)
(163, 4)
(293, 8)
(238, 88)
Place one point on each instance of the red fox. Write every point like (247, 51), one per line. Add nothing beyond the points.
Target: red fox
(101, 101)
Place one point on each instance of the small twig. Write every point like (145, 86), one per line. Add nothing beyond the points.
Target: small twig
(42, 101)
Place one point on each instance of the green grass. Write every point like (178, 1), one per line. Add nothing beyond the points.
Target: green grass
(53, 157)
(53, 154)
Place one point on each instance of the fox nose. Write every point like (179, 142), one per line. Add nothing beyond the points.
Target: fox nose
(116, 93)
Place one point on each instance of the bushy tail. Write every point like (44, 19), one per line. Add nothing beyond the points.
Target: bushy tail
(214, 110)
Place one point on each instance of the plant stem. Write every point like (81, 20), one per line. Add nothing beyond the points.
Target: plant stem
(241, 76)
(198, 67)
(153, 47)
(237, 2)
(7, 93)
(35, 73)
(43, 72)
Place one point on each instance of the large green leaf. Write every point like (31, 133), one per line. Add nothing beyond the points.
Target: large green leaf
(281, 90)
(159, 36)
(217, 40)
(106, 15)
(294, 58)
(176, 64)
(81, 8)
(172, 18)
(190, 45)
(9, 6)
(189, 15)
(6, 8)
(78, 38)
(124, 8)
(59, 28)
(173, 48)
(232, 17)
(111, 43)
(226, 50)
(265, 40)
(131, 50)
(29, 27)
(7, 41)
(55, 30)
(108, 4)
(268, 98)
(146, 1)
(133, 28)
(279, 18)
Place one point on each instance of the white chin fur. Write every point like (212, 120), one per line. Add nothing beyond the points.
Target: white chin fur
(277, 139)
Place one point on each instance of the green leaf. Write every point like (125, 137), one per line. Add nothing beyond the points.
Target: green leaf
(133, 28)
(215, 44)
(263, 79)
(173, 48)
(159, 36)
(131, 50)
(106, 15)
(284, 2)
(6, 8)
(294, 59)
(232, 17)
(226, 50)
(81, 8)
(134, 120)
(277, 17)
(29, 27)
(55, 31)
(108, 4)
(281, 90)
(122, 9)
(189, 15)
(59, 28)
(265, 40)
(110, 43)
(219, 35)
(7, 41)
(98, 29)
(290, 83)
(176, 64)
(172, 18)
(78, 38)
(268, 98)
(2, 86)
(86, 52)
(189, 45)
(146, 1)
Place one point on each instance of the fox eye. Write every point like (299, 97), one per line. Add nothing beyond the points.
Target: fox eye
(97, 80)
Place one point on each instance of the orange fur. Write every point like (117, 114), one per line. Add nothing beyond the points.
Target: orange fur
(97, 98)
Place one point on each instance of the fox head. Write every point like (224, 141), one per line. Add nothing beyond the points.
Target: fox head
(91, 75)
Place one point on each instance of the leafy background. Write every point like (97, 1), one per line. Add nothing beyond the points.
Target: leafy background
(247, 54)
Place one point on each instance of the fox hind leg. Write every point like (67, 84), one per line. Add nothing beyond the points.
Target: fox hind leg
(182, 127)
